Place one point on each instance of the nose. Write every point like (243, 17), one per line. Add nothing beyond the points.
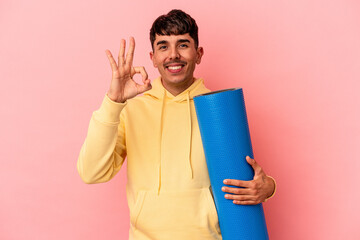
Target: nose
(174, 53)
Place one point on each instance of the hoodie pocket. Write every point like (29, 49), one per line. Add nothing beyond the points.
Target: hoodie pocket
(213, 211)
(137, 207)
(192, 210)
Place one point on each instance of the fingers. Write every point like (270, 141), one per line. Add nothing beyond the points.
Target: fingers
(113, 65)
(240, 191)
(121, 57)
(254, 165)
(238, 183)
(241, 198)
(130, 53)
(245, 202)
(146, 86)
(247, 192)
(247, 197)
(140, 70)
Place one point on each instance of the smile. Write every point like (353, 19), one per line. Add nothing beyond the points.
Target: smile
(175, 68)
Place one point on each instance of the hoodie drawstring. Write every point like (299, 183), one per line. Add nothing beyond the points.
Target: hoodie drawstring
(161, 135)
(190, 135)
(159, 92)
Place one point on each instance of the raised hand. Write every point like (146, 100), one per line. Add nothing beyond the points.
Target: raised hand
(122, 85)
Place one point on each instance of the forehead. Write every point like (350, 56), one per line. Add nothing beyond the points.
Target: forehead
(172, 38)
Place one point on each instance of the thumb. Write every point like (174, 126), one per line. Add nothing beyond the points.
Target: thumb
(254, 165)
(145, 87)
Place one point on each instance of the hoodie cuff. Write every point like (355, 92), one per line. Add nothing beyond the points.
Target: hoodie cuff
(274, 189)
(109, 111)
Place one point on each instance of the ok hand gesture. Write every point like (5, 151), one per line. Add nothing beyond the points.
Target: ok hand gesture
(122, 85)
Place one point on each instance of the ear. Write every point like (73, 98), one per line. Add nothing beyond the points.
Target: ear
(152, 59)
(200, 53)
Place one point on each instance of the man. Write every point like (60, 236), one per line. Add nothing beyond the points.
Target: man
(168, 184)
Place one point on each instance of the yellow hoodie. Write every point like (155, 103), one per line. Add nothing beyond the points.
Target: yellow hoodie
(168, 187)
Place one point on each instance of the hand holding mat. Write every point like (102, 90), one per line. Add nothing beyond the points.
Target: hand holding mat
(226, 140)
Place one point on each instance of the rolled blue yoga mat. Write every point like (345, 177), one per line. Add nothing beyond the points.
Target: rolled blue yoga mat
(226, 140)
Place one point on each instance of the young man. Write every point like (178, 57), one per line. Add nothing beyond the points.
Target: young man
(168, 184)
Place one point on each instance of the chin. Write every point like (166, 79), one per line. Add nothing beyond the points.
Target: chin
(176, 81)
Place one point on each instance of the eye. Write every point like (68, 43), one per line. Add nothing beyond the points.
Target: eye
(162, 47)
(183, 45)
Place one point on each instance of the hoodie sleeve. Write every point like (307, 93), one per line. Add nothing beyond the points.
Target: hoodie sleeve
(103, 152)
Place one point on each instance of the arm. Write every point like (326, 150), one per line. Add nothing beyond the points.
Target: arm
(104, 151)
(252, 192)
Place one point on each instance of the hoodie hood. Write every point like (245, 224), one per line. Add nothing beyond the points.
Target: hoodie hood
(159, 92)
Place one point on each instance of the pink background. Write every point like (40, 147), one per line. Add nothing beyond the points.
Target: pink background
(297, 61)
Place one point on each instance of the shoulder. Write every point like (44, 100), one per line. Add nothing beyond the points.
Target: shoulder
(138, 104)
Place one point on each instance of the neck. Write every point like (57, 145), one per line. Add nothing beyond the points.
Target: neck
(176, 89)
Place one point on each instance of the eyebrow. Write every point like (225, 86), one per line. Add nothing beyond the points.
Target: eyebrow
(179, 41)
(161, 42)
(183, 41)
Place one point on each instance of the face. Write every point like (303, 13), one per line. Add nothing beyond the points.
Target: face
(175, 56)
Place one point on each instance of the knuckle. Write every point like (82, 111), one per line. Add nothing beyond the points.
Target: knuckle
(237, 183)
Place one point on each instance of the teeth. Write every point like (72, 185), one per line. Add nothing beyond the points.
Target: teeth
(175, 68)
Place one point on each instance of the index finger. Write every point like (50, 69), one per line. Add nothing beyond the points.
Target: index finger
(111, 60)
(130, 53)
(238, 183)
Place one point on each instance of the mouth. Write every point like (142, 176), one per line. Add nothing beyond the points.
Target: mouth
(175, 68)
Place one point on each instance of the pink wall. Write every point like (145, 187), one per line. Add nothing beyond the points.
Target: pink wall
(299, 65)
